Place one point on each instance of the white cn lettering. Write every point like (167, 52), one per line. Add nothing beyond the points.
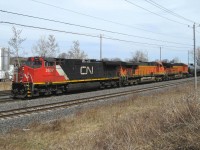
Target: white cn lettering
(49, 70)
(84, 70)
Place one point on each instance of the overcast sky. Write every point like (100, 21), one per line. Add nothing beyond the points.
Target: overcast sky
(111, 15)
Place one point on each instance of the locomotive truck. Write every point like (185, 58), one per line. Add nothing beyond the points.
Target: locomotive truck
(46, 76)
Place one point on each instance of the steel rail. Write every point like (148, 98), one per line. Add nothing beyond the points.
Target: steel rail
(4, 93)
(9, 100)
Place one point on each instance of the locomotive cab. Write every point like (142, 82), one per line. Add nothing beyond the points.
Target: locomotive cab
(34, 62)
(24, 77)
(24, 73)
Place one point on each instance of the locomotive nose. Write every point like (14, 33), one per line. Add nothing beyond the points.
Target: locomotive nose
(21, 73)
(18, 74)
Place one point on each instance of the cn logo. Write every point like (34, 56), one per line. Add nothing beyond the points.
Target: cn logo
(84, 70)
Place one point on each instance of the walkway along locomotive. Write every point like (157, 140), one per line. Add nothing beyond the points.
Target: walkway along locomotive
(46, 76)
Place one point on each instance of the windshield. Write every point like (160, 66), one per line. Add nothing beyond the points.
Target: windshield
(33, 64)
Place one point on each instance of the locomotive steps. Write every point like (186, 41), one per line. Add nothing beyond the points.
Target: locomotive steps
(22, 116)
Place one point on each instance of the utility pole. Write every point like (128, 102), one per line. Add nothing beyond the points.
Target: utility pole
(195, 66)
(147, 56)
(188, 57)
(100, 46)
(160, 53)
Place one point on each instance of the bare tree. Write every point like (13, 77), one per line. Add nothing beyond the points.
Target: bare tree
(175, 60)
(62, 55)
(75, 52)
(15, 43)
(197, 55)
(46, 48)
(139, 56)
(115, 59)
(52, 46)
(105, 59)
(41, 47)
(165, 60)
(111, 59)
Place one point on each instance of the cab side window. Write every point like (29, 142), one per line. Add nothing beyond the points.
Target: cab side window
(37, 64)
(49, 64)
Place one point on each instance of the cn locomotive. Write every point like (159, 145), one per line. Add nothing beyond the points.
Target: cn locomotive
(46, 76)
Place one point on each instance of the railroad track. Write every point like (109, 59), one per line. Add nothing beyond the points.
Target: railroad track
(4, 93)
(66, 104)
(7, 99)
(5, 96)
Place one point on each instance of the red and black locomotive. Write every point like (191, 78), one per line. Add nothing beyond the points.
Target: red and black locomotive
(46, 76)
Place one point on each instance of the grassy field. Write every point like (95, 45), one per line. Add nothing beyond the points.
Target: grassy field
(165, 120)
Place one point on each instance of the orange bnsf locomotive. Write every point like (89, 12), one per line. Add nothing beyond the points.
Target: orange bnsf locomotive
(176, 70)
(46, 76)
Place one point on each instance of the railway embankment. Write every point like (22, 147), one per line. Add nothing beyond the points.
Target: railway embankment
(166, 119)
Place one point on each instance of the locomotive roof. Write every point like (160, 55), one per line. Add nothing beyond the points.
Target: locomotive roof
(76, 59)
(179, 64)
(49, 59)
(117, 63)
(112, 63)
(173, 64)
(130, 64)
(146, 63)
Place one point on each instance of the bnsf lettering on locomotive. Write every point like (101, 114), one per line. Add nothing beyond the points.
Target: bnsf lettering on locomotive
(84, 70)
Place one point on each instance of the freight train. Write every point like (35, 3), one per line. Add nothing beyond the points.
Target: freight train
(46, 76)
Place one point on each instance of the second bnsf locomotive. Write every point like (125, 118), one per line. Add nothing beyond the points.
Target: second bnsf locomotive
(46, 76)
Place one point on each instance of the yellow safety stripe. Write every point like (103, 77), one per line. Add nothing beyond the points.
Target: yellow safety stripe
(142, 75)
(76, 81)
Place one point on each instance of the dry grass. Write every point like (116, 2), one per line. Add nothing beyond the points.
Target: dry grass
(168, 120)
(5, 86)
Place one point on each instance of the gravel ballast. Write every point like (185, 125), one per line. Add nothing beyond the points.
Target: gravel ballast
(53, 99)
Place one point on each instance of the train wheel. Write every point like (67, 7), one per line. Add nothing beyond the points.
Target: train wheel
(114, 85)
(13, 95)
(22, 93)
(120, 84)
(48, 91)
(136, 82)
(130, 83)
(157, 80)
(58, 92)
(102, 85)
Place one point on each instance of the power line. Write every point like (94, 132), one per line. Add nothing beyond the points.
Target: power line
(82, 34)
(54, 30)
(102, 19)
(109, 31)
(127, 41)
(155, 13)
(168, 11)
